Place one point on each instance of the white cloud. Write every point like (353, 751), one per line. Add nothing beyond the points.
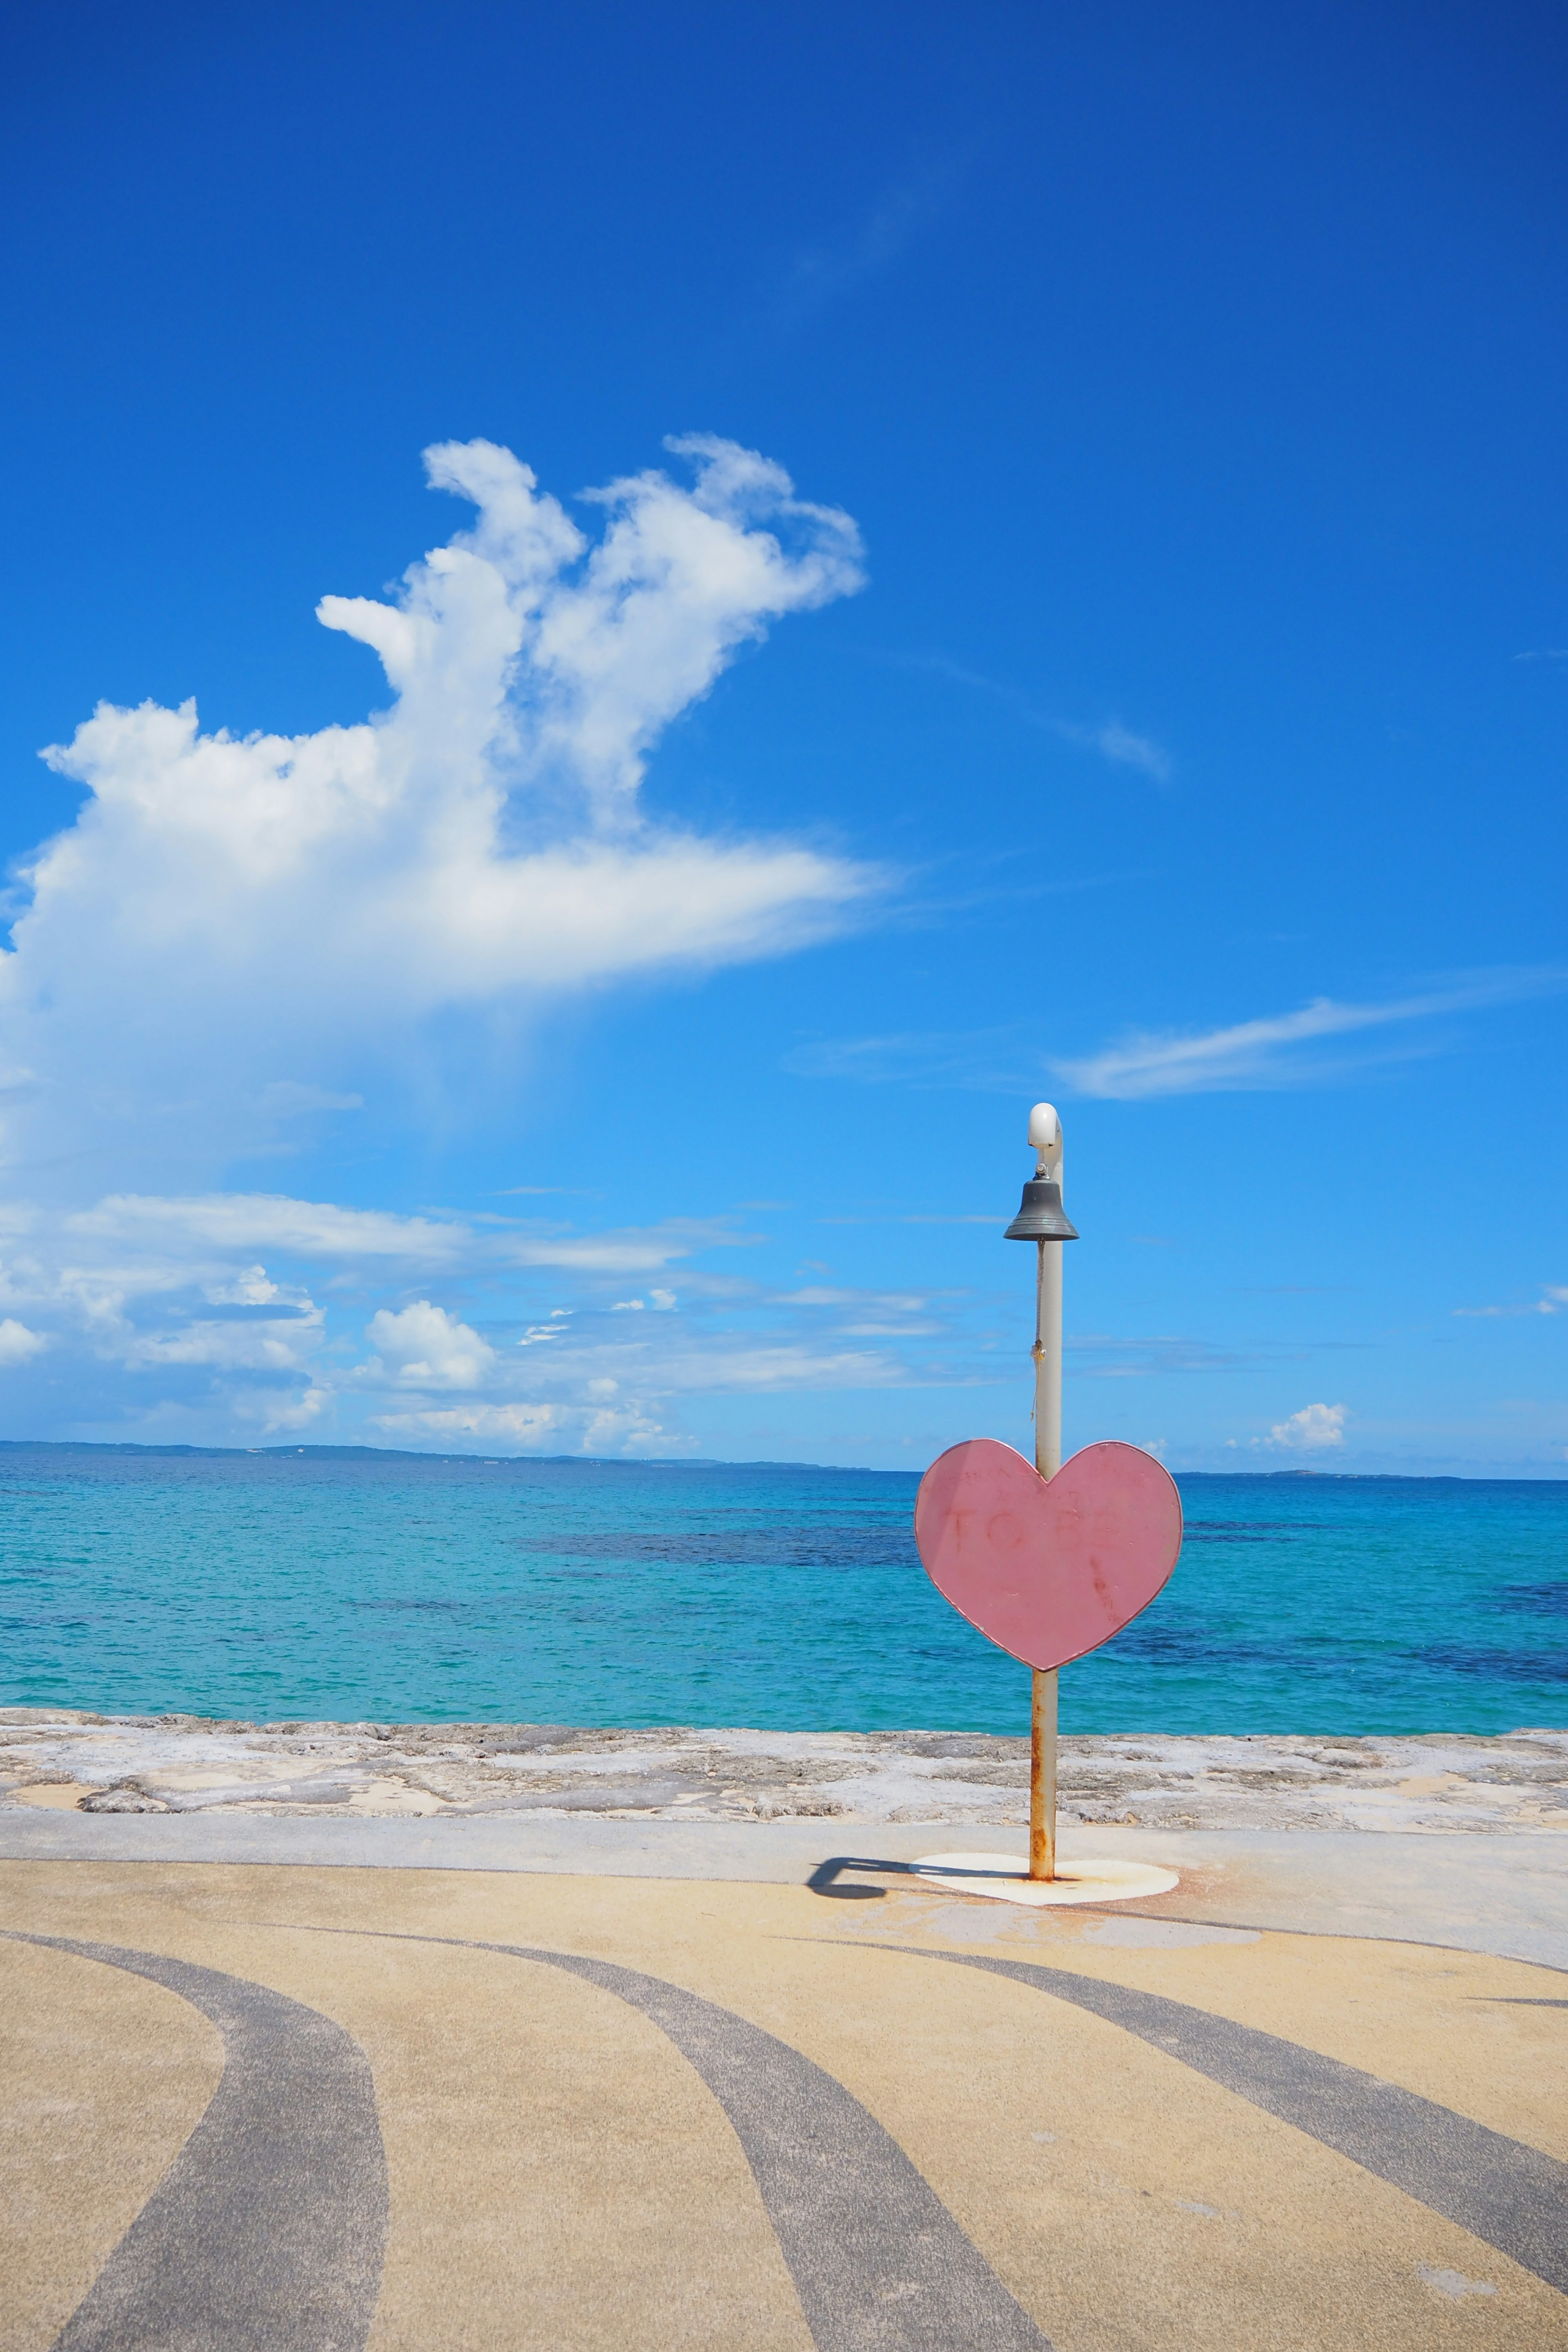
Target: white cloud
(232, 926)
(325, 1232)
(886, 1302)
(249, 1288)
(424, 1348)
(1122, 747)
(537, 1333)
(620, 1395)
(822, 273)
(17, 1344)
(1245, 1056)
(986, 1061)
(645, 1249)
(268, 1221)
(286, 1098)
(1109, 737)
(1554, 1300)
(1312, 1430)
(191, 1307)
(538, 1429)
(279, 1347)
(132, 1247)
(192, 1318)
(1250, 1055)
(1110, 1355)
(293, 1414)
(740, 1366)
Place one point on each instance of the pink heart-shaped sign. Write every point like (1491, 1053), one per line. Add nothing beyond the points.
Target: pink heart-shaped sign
(1047, 1569)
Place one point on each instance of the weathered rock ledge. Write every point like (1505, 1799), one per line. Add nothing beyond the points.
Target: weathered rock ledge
(96, 1763)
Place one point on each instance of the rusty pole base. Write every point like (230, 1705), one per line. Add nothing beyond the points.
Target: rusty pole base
(1043, 1775)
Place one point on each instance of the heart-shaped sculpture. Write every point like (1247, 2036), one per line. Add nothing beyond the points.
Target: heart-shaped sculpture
(1047, 1569)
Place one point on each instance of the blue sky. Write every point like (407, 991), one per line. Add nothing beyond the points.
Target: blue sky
(588, 994)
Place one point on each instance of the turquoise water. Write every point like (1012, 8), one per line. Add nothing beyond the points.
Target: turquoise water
(404, 1588)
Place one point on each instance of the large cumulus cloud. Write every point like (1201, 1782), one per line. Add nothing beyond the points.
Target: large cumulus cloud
(232, 927)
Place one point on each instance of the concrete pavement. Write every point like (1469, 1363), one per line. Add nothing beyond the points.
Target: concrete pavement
(1508, 1895)
(251, 2104)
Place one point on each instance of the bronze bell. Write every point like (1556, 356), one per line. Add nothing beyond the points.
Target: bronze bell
(1041, 1216)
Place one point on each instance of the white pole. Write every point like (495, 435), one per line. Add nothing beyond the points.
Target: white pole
(1046, 1135)
(1047, 1354)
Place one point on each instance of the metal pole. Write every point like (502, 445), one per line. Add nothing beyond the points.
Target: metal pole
(1048, 1354)
(1046, 1135)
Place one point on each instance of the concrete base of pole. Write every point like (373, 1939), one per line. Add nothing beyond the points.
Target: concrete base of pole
(999, 1876)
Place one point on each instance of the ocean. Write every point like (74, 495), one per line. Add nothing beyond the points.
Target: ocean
(361, 1586)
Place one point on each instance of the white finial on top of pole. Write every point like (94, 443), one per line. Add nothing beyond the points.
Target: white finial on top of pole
(1046, 1135)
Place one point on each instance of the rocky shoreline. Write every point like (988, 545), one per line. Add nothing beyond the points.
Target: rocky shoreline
(71, 1759)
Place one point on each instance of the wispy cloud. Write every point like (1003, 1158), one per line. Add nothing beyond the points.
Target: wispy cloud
(641, 1249)
(824, 273)
(545, 1192)
(1121, 745)
(1252, 1055)
(1544, 654)
(915, 1217)
(320, 1232)
(1281, 1050)
(148, 1229)
(1099, 1354)
(1554, 1300)
(986, 1060)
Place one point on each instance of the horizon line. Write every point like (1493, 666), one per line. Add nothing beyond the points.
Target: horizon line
(174, 1450)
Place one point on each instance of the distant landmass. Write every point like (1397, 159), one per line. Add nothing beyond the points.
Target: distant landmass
(658, 1461)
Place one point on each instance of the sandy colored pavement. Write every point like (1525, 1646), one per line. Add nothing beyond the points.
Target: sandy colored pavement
(300, 2107)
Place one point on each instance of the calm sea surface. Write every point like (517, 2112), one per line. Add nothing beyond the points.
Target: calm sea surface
(411, 1588)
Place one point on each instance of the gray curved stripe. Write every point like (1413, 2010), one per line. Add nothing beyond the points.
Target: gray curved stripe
(1500, 2189)
(878, 2260)
(266, 2232)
